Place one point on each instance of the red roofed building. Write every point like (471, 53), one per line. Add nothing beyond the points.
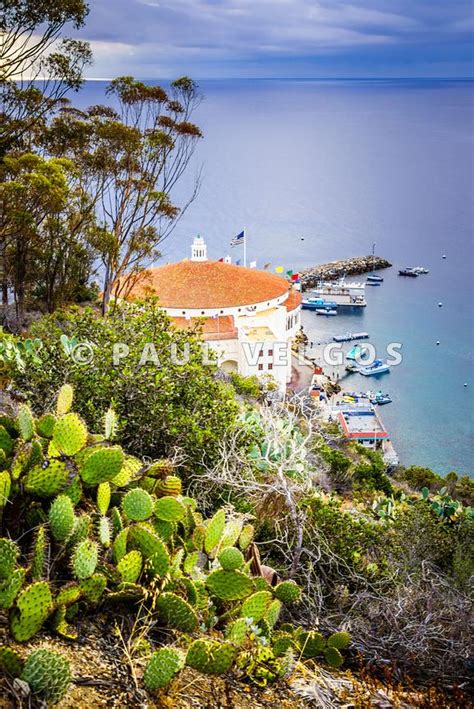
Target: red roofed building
(248, 316)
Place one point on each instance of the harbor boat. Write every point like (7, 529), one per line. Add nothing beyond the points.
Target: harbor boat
(408, 272)
(373, 283)
(350, 336)
(380, 399)
(326, 311)
(342, 293)
(356, 352)
(372, 278)
(419, 269)
(316, 303)
(378, 366)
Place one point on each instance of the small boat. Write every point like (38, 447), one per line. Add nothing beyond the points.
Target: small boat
(357, 352)
(374, 279)
(377, 367)
(380, 399)
(317, 303)
(325, 311)
(408, 272)
(420, 269)
(349, 336)
(373, 283)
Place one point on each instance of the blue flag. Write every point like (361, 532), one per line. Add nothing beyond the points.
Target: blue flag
(239, 239)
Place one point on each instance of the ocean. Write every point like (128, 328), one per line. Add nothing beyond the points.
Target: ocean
(320, 170)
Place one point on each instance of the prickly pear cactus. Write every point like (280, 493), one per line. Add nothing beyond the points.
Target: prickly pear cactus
(84, 559)
(137, 505)
(70, 434)
(231, 558)
(48, 674)
(102, 465)
(64, 401)
(169, 509)
(130, 566)
(229, 585)
(287, 592)
(61, 518)
(33, 606)
(176, 612)
(162, 667)
(9, 553)
(10, 661)
(256, 605)
(171, 486)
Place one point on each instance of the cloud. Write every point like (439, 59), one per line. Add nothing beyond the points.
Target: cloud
(165, 37)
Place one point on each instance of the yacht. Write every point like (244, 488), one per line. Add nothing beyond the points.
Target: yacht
(408, 272)
(343, 293)
(377, 367)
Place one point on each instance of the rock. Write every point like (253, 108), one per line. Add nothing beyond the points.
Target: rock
(336, 269)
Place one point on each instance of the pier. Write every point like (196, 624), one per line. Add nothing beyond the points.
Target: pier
(336, 269)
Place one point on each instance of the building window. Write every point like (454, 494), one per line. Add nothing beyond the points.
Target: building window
(260, 367)
(270, 353)
(270, 366)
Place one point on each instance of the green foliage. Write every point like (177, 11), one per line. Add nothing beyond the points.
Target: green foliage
(48, 674)
(162, 667)
(188, 406)
(246, 386)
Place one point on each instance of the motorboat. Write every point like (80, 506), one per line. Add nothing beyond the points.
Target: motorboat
(356, 353)
(408, 272)
(325, 311)
(317, 303)
(420, 269)
(378, 366)
(373, 278)
(380, 399)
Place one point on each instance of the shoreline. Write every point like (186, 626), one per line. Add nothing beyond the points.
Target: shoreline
(334, 270)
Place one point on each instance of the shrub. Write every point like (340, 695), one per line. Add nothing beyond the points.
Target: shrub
(160, 404)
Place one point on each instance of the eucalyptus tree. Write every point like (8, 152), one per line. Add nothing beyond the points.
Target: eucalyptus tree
(131, 158)
(37, 65)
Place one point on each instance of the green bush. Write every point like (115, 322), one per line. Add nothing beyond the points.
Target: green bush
(246, 386)
(159, 404)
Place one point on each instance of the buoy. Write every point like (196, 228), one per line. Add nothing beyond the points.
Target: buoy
(437, 342)
(444, 255)
(302, 238)
(440, 305)
(465, 384)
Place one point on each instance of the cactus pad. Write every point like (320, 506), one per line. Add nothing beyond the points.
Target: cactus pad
(103, 498)
(170, 486)
(333, 657)
(214, 530)
(9, 553)
(10, 588)
(45, 425)
(130, 566)
(33, 606)
(10, 661)
(61, 518)
(137, 505)
(237, 631)
(48, 479)
(339, 640)
(231, 558)
(119, 547)
(169, 509)
(281, 642)
(210, 656)
(93, 587)
(246, 536)
(26, 422)
(102, 465)
(6, 442)
(255, 606)
(104, 532)
(273, 612)
(176, 612)
(127, 472)
(64, 401)
(162, 667)
(152, 549)
(39, 555)
(48, 674)
(5, 487)
(311, 644)
(70, 434)
(229, 585)
(287, 592)
(84, 559)
(68, 595)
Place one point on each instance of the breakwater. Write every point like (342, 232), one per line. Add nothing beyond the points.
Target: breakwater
(336, 269)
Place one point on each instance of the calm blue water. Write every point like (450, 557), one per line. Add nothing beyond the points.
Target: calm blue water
(342, 165)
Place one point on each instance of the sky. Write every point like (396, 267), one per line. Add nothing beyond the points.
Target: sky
(280, 38)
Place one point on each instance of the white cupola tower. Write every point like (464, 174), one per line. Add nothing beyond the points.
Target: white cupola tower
(198, 249)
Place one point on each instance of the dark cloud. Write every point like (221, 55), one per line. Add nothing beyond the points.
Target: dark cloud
(277, 37)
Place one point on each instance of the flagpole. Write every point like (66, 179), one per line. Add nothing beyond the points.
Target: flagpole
(245, 247)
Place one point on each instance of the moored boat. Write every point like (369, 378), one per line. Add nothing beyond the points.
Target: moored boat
(374, 278)
(356, 352)
(342, 293)
(326, 311)
(408, 272)
(380, 399)
(378, 366)
(317, 303)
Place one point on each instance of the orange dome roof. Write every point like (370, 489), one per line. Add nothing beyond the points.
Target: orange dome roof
(200, 285)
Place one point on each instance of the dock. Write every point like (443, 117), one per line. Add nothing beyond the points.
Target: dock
(350, 336)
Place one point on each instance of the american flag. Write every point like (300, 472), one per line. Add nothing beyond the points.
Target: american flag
(239, 239)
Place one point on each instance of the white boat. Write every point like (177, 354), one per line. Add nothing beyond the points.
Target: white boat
(378, 366)
(356, 353)
(420, 269)
(325, 311)
(342, 292)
